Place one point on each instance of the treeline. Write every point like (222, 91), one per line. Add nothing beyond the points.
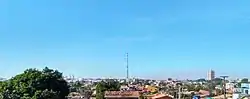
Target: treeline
(35, 84)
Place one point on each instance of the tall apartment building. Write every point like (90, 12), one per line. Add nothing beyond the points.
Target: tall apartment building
(210, 75)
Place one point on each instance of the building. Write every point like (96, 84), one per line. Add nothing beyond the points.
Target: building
(210, 75)
(150, 88)
(230, 87)
(162, 96)
(124, 88)
(122, 94)
(74, 95)
(204, 93)
(241, 91)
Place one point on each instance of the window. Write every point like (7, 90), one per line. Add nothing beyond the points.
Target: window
(246, 91)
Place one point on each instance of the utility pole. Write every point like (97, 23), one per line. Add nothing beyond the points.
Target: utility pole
(224, 85)
(179, 93)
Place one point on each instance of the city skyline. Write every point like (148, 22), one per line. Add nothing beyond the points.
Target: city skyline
(89, 38)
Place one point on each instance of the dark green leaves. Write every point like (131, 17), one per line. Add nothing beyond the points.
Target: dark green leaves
(35, 84)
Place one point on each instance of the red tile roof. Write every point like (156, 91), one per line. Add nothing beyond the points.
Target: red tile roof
(162, 95)
(121, 94)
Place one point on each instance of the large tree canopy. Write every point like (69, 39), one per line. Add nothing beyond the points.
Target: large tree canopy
(35, 84)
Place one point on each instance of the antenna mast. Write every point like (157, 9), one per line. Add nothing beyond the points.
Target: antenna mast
(127, 67)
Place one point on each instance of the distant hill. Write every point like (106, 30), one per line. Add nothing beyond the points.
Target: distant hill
(2, 79)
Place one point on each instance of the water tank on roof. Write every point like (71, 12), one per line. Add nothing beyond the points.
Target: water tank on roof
(196, 97)
(209, 98)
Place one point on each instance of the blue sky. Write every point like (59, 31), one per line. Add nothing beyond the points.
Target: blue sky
(89, 38)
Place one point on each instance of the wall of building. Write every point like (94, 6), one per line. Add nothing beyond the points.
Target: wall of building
(236, 96)
(244, 90)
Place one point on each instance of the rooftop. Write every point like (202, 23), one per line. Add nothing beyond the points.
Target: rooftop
(110, 94)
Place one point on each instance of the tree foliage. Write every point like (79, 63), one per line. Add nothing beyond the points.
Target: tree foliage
(198, 87)
(35, 84)
(245, 80)
(103, 86)
(142, 97)
(217, 81)
(201, 80)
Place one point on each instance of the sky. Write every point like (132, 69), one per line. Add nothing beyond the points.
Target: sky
(89, 38)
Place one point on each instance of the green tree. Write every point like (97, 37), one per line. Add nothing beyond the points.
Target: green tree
(238, 85)
(245, 80)
(77, 87)
(142, 97)
(35, 84)
(201, 80)
(109, 85)
(217, 81)
(190, 87)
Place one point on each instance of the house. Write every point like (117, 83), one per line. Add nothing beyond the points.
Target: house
(122, 94)
(124, 87)
(151, 88)
(242, 91)
(229, 86)
(74, 95)
(162, 96)
(203, 93)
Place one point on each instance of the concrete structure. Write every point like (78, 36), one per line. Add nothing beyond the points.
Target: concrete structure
(244, 90)
(229, 86)
(210, 75)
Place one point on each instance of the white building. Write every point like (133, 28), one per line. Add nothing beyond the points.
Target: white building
(229, 86)
(242, 91)
(210, 75)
